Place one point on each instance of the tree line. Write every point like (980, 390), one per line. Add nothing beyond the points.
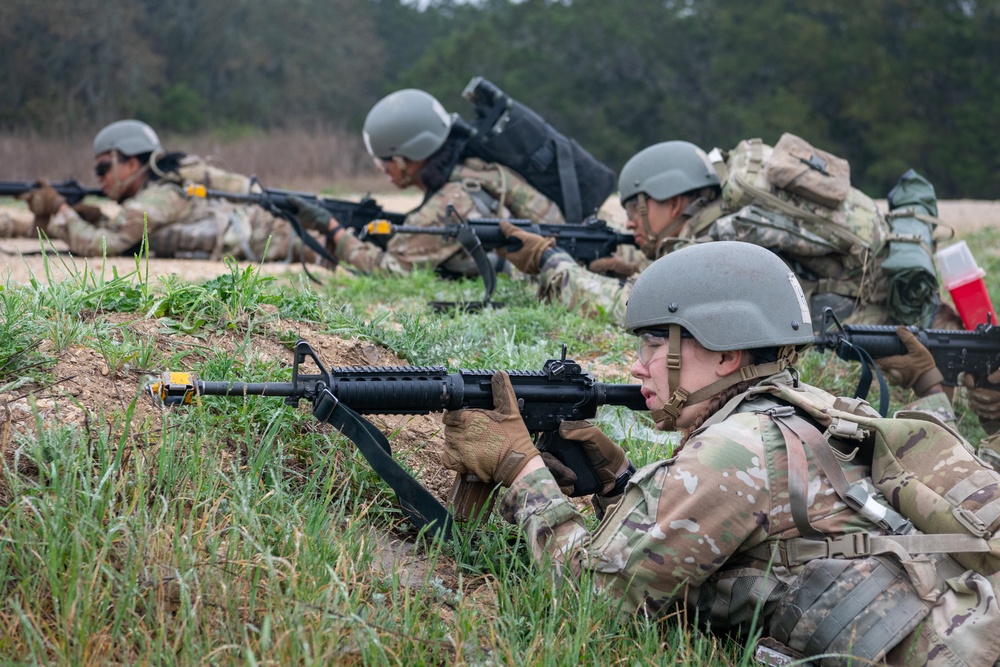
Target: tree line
(887, 84)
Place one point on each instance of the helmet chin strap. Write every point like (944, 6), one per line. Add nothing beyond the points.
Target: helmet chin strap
(680, 397)
(405, 178)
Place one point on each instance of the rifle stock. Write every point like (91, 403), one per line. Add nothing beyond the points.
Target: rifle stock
(73, 191)
(560, 391)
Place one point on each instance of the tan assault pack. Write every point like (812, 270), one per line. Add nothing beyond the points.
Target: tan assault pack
(925, 470)
(808, 187)
(858, 595)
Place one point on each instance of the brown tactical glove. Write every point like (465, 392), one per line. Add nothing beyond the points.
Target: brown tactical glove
(88, 212)
(984, 402)
(528, 257)
(613, 266)
(43, 201)
(311, 215)
(604, 456)
(914, 370)
(494, 445)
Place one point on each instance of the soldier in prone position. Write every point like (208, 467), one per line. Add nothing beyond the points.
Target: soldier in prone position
(409, 136)
(708, 527)
(133, 169)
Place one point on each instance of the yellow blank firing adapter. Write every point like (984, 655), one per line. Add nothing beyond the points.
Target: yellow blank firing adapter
(379, 228)
(174, 389)
(195, 190)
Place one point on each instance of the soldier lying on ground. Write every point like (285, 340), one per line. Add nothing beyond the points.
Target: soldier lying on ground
(743, 525)
(133, 169)
(671, 194)
(409, 135)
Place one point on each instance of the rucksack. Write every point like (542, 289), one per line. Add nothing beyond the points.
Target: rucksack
(509, 133)
(925, 470)
(804, 193)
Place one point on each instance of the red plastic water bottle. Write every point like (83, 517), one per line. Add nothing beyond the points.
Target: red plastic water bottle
(963, 279)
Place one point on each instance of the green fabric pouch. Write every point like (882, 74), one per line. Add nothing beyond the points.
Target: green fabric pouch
(913, 285)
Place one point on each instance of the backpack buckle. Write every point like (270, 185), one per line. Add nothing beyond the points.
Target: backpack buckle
(850, 545)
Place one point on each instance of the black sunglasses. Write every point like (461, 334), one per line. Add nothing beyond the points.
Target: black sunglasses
(103, 167)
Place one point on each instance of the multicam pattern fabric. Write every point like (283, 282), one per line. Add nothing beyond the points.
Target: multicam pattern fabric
(840, 278)
(475, 189)
(180, 226)
(667, 542)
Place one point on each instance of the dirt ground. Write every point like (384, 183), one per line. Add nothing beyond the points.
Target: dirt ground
(21, 260)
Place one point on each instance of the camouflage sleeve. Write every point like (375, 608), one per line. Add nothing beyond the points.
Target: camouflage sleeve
(405, 251)
(154, 207)
(666, 532)
(936, 404)
(564, 281)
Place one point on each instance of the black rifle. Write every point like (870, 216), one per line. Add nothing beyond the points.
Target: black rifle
(585, 242)
(560, 391)
(955, 351)
(354, 215)
(72, 191)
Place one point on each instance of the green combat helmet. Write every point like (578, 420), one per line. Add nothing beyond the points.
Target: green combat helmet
(728, 295)
(409, 123)
(666, 170)
(128, 137)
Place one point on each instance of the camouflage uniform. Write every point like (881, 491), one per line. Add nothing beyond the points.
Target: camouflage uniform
(667, 542)
(180, 226)
(826, 278)
(17, 227)
(475, 189)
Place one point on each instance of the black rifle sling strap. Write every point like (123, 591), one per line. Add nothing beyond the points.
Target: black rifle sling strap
(568, 183)
(422, 508)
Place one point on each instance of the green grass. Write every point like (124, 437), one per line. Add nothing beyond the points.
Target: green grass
(240, 531)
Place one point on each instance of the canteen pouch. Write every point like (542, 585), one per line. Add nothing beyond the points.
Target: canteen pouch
(809, 172)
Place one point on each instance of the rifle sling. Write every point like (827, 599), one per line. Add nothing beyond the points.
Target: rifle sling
(308, 240)
(420, 507)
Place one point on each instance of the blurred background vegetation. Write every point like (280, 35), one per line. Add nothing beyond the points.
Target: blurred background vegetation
(888, 84)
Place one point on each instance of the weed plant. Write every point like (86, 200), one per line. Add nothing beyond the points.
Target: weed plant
(241, 531)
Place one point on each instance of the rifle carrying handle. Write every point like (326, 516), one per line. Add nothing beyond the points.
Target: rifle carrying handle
(472, 499)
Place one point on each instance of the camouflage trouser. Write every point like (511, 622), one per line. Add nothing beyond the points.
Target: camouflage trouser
(11, 227)
(243, 234)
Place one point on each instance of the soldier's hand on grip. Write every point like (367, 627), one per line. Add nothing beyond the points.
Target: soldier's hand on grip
(914, 370)
(43, 201)
(528, 256)
(613, 266)
(312, 216)
(984, 402)
(606, 458)
(492, 444)
(88, 212)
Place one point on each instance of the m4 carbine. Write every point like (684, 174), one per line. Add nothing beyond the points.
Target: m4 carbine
(976, 352)
(560, 391)
(72, 191)
(354, 215)
(586, 242)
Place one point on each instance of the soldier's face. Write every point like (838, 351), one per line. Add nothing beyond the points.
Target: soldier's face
(660, 214)
(699, 368)
(116, 175)
(650, 367)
